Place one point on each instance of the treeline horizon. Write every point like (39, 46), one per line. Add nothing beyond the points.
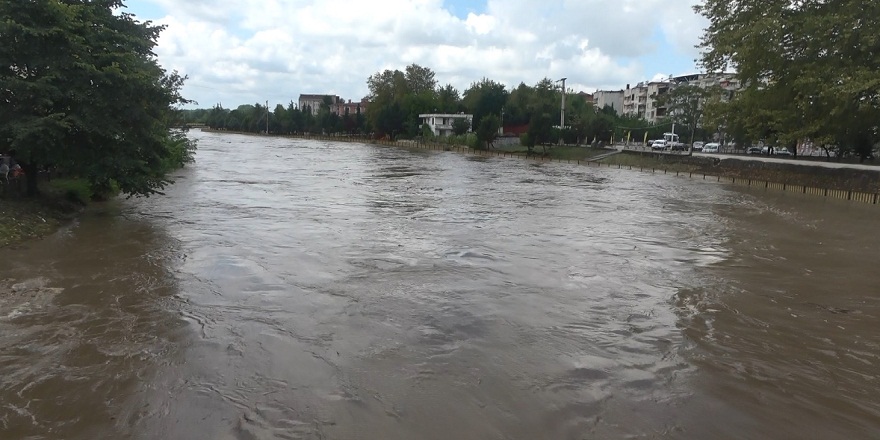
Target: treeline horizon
(396, 98)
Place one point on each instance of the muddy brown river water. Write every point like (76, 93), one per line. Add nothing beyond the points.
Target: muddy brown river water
(307, 290)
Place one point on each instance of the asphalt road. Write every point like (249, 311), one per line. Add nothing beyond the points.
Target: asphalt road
(778, 159)
(875, 166)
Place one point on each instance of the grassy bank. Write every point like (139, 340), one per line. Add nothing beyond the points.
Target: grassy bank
(23, 219)
(556, 152)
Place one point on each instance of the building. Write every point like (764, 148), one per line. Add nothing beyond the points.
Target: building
(586, 97)
(350, 108)
(609, 98)
(314, 102)
(441, 123)
(642, 101)
(635, 101)
(727, 82)
(654, 111)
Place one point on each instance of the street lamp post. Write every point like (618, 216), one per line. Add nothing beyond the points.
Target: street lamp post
(562, 111)
(501, 128)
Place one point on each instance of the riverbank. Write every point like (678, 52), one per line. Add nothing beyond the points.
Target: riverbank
(23, 219)
(804, 175)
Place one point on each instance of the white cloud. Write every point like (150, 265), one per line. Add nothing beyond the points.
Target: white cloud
(245, 51)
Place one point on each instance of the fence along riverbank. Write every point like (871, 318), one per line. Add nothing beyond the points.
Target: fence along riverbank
(841, 194)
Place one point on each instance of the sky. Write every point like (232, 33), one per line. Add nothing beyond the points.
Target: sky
(251, 51)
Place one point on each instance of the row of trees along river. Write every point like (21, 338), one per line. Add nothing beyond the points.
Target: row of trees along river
(398, 97)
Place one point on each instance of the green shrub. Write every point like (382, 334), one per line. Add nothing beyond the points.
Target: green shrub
(73, 190)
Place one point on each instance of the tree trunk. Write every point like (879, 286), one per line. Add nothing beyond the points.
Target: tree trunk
(30, 175)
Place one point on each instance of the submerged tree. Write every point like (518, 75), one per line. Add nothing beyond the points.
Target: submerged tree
(81, 89)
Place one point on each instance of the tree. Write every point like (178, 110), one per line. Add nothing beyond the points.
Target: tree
(683, 106)
(539, 130)
(483, 98)
(809, 67)
(420, 80)
(82, 90)
(518, 109)
(460, 126)
(546, 99)
(448, 100)
(488, 130)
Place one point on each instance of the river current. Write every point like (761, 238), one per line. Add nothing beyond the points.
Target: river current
(299, 289)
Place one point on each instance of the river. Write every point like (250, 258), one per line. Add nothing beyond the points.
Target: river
(298, 289)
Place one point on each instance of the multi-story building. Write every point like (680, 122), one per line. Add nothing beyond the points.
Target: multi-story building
(726, 83)
(609, 98)
(441, 123)
(350, 108)
(314, 102)
(635, 101)
(643, 100)
(337, 105)
(654, 110)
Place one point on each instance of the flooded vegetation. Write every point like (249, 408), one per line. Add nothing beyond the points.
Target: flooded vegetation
(300, 289)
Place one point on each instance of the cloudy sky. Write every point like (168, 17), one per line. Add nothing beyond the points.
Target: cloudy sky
(247, 51)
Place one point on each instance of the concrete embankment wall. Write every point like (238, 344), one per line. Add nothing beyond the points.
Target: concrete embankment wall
(840, 183)
(789, 174)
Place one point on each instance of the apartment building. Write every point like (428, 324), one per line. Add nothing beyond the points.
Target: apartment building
(609, 98)
(314, 102)
(643, 100)
(635, 101)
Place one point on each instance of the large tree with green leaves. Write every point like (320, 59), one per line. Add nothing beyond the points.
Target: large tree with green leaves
(809, 67)
(683, 104)
(448, 100)
(485, 97)
(81, 89)
(487, 131)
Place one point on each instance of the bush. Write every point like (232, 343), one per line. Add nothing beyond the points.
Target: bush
(465, 139)
(180, 151)
(74, 190)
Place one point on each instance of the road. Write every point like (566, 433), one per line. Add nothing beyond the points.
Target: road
(762, 158)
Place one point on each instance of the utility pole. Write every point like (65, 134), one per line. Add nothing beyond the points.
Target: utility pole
(501, 129)
(562, 112)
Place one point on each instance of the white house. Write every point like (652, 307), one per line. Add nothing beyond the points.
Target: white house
(441, 123)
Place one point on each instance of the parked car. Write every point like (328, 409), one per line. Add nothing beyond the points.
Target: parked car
(781, 151)
(659, 144)
(754, 150)
(698, 146)
(711, 147)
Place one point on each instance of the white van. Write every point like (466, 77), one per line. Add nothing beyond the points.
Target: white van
(711, 147)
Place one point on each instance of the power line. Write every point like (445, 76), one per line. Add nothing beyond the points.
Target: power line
(645, 128)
